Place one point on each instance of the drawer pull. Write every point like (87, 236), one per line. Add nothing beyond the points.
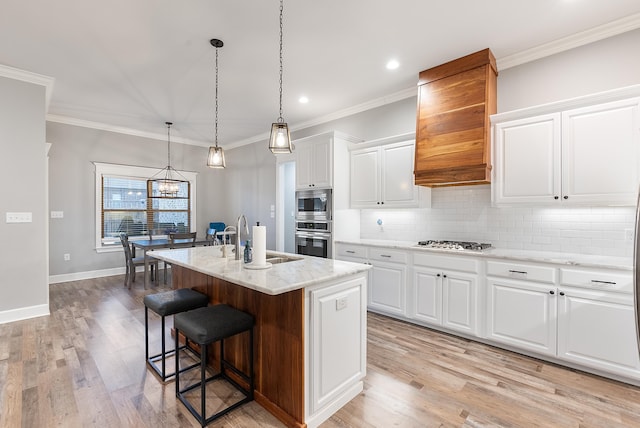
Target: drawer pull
(350, 251)
(521, 272)
(603, 282)
(385, 255)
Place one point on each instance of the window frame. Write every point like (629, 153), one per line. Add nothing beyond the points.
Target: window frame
(136, 172)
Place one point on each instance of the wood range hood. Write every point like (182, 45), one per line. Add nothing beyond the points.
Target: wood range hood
(453, 130)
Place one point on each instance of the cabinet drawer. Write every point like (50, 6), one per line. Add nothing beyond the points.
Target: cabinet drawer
(385, 255)
(597, 279)
(522, 271)
(351, 251)
(462, 264)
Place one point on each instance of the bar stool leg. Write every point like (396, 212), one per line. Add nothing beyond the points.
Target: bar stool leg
(177, 355)
(146, 333)
(163, 351)
(203, 383)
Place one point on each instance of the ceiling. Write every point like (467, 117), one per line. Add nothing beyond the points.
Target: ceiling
(132, 65)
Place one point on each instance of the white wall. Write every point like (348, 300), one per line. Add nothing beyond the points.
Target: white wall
(72, 188)
(24, 288)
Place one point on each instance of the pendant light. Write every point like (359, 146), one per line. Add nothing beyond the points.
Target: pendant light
(216, 155)
(167, 183)
(280, 140)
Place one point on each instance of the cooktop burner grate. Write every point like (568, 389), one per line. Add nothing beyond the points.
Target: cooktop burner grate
(454, 245)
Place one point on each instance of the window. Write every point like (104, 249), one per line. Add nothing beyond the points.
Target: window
(123, 205)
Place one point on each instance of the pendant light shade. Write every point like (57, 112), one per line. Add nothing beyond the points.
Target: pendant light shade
(216, 154)
(168, 183)
(280, 140)
(216, 158)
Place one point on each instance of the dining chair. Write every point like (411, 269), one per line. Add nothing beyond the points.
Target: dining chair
(186, 240)
(132, 262)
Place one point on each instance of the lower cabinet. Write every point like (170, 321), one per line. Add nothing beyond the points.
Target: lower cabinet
(443, 296)
(338, 343)
(584, 317)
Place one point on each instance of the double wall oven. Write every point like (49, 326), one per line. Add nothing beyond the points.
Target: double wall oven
(313, 223)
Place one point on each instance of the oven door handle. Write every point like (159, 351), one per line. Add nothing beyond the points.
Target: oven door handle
(313, 235)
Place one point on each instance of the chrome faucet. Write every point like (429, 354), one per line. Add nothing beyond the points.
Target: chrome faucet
(239, 233)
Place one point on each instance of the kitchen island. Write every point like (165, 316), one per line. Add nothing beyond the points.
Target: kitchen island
(310, 333)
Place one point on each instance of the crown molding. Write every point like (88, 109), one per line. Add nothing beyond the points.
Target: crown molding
(595, 34)
(28, 76)
(122, 130)
(378, 102)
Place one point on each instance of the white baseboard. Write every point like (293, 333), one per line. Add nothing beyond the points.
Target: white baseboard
(24, 313)
(77, 276)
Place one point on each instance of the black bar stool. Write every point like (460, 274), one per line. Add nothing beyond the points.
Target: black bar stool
(205, 326)
(165, 304)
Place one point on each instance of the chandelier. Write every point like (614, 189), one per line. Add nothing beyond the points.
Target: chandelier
(167, 183)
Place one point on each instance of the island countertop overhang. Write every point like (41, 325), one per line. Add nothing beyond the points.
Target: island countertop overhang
(281, 278)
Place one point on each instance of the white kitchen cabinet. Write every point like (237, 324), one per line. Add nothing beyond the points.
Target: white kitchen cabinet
(382, 177)
(596, 322)
(314, 164)
(521, 305)
(445, 291)
(338, 361)
(585, 155)
(386, 293)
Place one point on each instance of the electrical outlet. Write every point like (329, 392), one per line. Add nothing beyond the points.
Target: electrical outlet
(67, 257)
(628, 234)
(341, 303)
(57, 214)
(19, 217)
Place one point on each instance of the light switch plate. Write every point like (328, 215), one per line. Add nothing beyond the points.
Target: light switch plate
(24, 217)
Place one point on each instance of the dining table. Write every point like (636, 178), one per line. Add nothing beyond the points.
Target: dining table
(147, 245)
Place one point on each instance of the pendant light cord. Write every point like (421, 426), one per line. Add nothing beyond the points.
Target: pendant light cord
(216, 120)
(280, 119)
(168, 144)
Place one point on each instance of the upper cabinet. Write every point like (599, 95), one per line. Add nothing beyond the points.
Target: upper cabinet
(314, 166)
(584, 155)
(453, 128)
(382, 176)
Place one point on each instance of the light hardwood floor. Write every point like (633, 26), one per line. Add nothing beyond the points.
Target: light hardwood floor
(84, 366)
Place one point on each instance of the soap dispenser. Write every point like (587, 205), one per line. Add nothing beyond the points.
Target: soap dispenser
(248, 252)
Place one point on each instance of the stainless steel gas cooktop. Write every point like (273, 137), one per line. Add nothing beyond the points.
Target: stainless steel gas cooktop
(454, 245)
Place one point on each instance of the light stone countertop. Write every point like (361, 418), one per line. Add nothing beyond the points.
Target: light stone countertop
(566, 259)
(278, 279)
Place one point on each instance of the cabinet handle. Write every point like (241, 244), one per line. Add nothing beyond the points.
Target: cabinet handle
(438, 275)
(385, 255)
(521, 272)
(562, 293)
(603, 282)
(552, 292)
(444, 276)
(382, 202)
(378, 203)
(565, 197)
(350, 251)
(556, 197)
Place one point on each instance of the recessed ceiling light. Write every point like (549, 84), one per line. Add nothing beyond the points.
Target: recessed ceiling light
(303, 100)
(393, 64)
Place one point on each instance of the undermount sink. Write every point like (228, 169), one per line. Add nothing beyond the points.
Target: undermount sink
(275, 259)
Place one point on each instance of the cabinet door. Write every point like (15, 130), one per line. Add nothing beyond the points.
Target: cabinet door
(459, 302)
(597, 330)
(304, 163)
(427, 290)
(600, 150)
(387, 291)
(522, 314)
(396, 170)
(338, 338)
(365, 184)
(527, 160)
(321, 165)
